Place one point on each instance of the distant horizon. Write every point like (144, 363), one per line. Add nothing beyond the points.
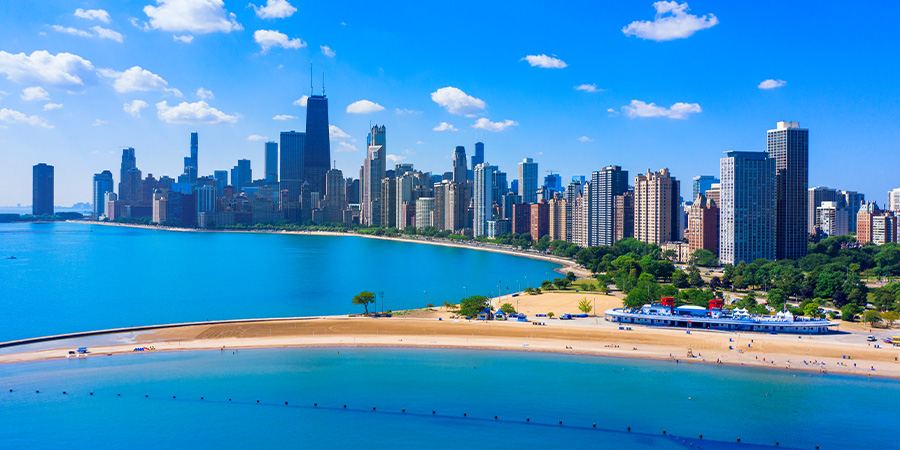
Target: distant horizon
(640, 85)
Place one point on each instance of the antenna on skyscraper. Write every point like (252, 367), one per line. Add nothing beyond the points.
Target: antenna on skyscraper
(323, 83)
(310, 80)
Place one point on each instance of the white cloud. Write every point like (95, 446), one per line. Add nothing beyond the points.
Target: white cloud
(404, 111)
(455, 101)
(444, 126)
(138, 79)
(772, 84)
(544, 61)
(284, 117)
(72, 31)
(336, 133)
(420, 142)
(192, 16)
(205, 94)
(327, 51)
(395, 158)
(52, 106)
(44, 68)
(588, 88)
(256, 137)
(187, 39)
(301, 101)
(12, 116)
(612, 112)
(585, 139)
(679, 110)
(106, 33)
(271, 38)
(35, 93)
(671, 22)
(98, 123)
(134, 108)
(93, 14)
(102, 33)
(345, 147)
(485, 124)
(192, 113)
(364, 107)
(274, 9)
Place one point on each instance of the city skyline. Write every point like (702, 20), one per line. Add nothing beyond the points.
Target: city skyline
(543, 95)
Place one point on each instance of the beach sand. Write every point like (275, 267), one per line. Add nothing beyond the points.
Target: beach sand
(592, 336)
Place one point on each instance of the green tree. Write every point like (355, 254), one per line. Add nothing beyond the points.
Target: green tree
(585, 306)
(811, 309)
(680, 279)
(472, 305)
(571, 276)
(550, 314)
(507, 308)
(777, 297)
(890, 317)
(738, 282)
(872, 317)
(694, 277)
(849, 312)
(546, 284)
(704, 258)
(364, 298)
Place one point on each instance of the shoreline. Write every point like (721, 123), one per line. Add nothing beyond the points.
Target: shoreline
(566, 265)
(641, 343)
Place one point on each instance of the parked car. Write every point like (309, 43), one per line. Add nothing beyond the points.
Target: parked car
(871, 339)
(565, 317)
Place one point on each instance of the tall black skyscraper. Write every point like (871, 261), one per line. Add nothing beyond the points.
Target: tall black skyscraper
(788, 145)
(605, 186)
(42, 189)
(317, 151)
(292, 144)
(478, 157)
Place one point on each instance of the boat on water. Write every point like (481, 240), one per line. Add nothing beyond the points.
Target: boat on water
(716, 317)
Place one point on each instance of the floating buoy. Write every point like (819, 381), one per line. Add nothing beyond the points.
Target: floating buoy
(257, 401)
(595, 426)
(495, 417)
(464, 414)
(285, 403)
(701, 436)
(314, 404)
(664, 431)
(432, 412)
(373, 408)
(403, 410)
(172, 396)
(64, 392)
(146, 396)
(92, 393)
(201, 398)
(118, 395)
(739, 439)
(345, 406)
(560, 422)
(527, 419)
(37, 392)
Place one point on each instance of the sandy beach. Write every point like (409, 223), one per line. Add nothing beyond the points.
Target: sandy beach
(807, 355)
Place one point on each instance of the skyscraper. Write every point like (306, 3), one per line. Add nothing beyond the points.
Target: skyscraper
(42, 189)
(459, 164)
(815, 196)
(788, 145)
(701, 184)
(528, 180)
(747, 225)
(373, 172)
(893, 200)
(221, 177)
(292, 144)
(573, 191)
(129, 177)
(703, 225)
(317, 151)
(484, 176)
(605, 186)
(190, 163)
(103, 183)
(425, 212)
(657, 207)
(335, 196)
(271, 162)
(241, 175)
(478, 157)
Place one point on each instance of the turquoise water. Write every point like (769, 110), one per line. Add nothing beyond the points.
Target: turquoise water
(721, 403)
(76, 277)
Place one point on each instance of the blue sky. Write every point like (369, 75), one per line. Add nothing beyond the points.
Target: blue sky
(676, 84)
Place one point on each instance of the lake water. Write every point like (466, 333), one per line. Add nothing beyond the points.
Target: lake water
(70, 277)
(154, 401)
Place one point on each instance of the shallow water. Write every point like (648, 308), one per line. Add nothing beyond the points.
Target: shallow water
(70, 277)
(721, 403)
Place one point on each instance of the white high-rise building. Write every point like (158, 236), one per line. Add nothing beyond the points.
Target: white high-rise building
(372, 173)
(528, 180)
(893, 202)
(483, 201)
